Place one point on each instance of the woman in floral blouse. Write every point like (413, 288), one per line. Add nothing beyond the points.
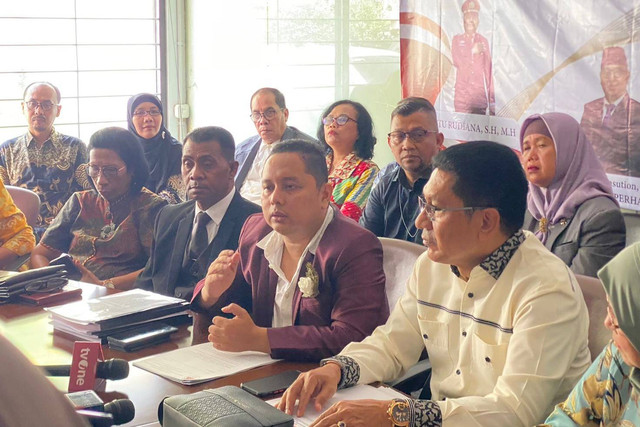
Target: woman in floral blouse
(609, 392)
(346, 132)
(16, 237)
(107, 230)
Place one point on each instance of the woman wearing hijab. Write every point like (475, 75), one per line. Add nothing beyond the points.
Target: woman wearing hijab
(571, 206)
(608, 394)
(162, 151)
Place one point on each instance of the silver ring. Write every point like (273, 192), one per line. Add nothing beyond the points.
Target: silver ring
(342, 424)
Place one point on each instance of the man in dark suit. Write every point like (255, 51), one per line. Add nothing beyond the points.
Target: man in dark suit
(269, 114)
(612, 123)
(190, 235)
(311, 278)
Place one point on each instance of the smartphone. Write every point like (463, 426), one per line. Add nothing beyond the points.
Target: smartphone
(271, 386)
(138, 338)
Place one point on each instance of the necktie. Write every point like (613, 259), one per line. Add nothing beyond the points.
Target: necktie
(200, 241)
(606, 122)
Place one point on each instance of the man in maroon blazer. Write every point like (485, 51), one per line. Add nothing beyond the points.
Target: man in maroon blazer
(312, 279)
(612, 123)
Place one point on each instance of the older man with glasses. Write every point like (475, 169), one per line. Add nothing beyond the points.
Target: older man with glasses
(502, 318)
(414, 140)
(269, 114)
(44, 160)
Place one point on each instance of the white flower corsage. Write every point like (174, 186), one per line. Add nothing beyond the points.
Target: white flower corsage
(309, 285)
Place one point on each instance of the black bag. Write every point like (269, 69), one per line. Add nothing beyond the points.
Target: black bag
(226, 406)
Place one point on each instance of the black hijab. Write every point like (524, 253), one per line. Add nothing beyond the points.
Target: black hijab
(163, 152)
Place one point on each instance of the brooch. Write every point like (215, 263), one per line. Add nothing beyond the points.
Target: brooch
(309, 285)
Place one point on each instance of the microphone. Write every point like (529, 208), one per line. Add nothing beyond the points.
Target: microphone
(116, 412)
(112, 369)
(122, 410)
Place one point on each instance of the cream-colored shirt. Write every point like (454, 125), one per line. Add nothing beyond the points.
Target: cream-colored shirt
(216, 213)
(504, 349)
(252, 187)
(273, 245)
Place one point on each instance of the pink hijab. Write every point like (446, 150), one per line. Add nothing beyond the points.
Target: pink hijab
(579, 174)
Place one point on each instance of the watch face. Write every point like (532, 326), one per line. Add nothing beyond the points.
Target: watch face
(400, 413)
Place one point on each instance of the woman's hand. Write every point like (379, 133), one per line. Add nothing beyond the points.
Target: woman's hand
(87, 276)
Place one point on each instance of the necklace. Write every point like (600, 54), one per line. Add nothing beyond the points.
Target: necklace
(110, 229)
(402, 217)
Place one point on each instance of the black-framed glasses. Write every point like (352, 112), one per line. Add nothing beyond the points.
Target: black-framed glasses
(341, 120)
(142, 113)
(44, 105)
(46, 285)
(269, 114)
(416, 135)
(107, 171)
(431, 210)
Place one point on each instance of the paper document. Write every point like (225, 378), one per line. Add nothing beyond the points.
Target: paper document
(352, 393)
(113, 306)
(201, 363)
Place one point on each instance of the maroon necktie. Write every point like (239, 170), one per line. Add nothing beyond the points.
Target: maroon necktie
(606, 122)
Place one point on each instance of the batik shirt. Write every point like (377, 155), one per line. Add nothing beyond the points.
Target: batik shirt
(84, 230)
(50, 171)
(351, 180)
(15, 234)
(604, 396)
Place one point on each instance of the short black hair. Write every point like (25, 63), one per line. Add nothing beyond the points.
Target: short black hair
(125, 144)
(276, 93)
(217, 134)
(366, 139)
(315, 163)
(30, 85)
(488, 174)
(411, 105)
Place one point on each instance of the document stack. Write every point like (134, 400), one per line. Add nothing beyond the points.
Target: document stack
(96, 319)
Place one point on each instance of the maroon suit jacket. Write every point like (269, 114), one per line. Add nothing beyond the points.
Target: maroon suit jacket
(351, 300)
(617, 146)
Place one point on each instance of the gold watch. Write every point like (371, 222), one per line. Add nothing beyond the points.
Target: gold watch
(398, 413)
(108, 284)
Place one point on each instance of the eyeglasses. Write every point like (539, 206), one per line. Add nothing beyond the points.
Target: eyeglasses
(142, 113)
(269, 114)
(46, 285)
(431, 210)
(416, 135)
(107, 171)
(44, 105)
(341, 120)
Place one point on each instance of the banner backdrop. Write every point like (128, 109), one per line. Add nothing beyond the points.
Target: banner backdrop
(487, 65)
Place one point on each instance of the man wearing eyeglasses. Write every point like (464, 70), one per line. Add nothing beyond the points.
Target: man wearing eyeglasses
(414, 140)
(43, 160)
(612, 123)
(269, 114)
(502, 318)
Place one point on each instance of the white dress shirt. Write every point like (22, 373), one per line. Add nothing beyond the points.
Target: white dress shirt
(273, 245)
(216, 213)
(252, 187)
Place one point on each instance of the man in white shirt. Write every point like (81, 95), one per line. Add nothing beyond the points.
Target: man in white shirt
(269, 114)
(502, 318)
(306, 280)
(190, 235)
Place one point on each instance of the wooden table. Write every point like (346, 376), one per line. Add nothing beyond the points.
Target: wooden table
(28, 329)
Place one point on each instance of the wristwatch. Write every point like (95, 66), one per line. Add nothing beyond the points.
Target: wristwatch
(108, 284)
(398, 412)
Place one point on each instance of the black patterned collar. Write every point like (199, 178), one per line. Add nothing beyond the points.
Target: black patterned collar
(495, 263)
